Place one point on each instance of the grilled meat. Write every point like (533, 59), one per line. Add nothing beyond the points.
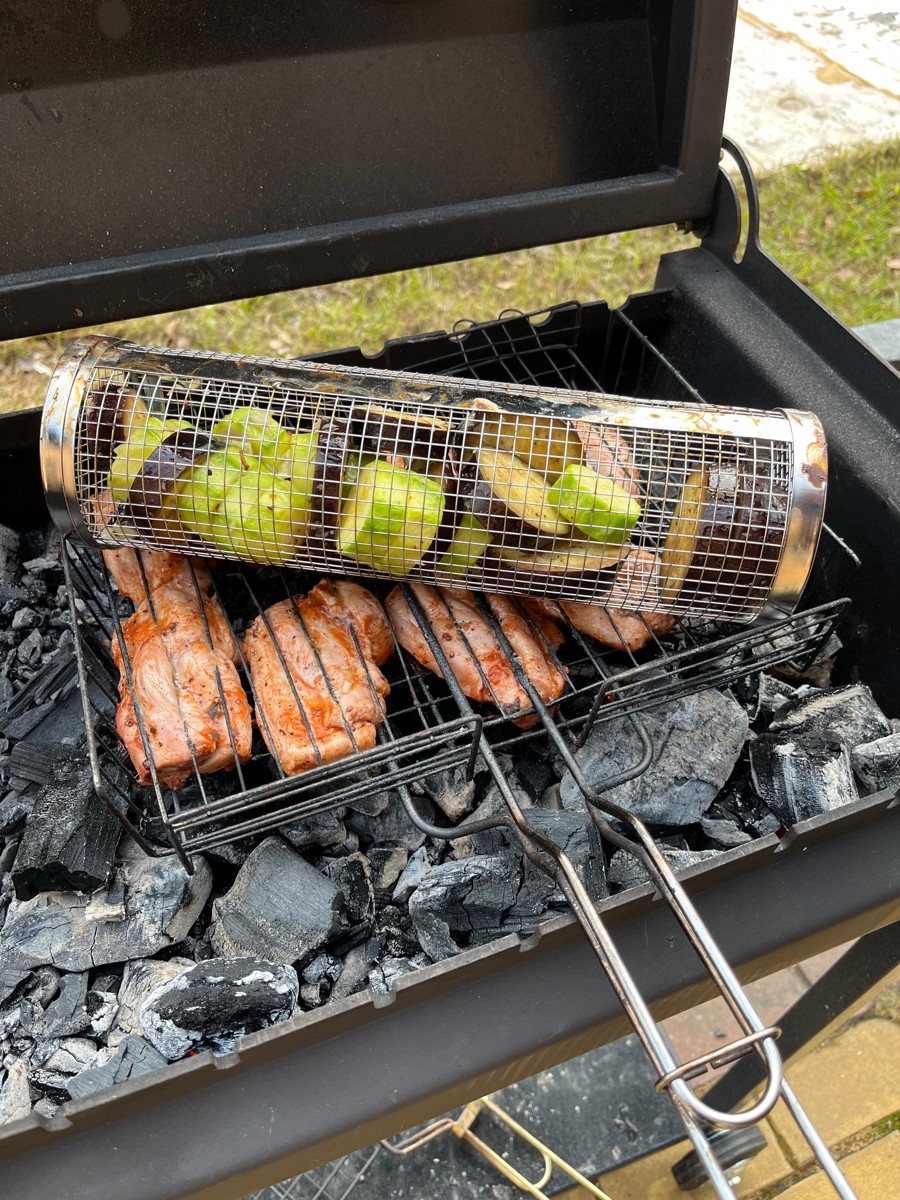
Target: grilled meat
(609, 455)
(473, 652)
(637, 584)
(313, 662)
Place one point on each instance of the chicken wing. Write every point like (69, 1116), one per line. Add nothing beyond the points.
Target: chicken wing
(472, 650)
(319, 691)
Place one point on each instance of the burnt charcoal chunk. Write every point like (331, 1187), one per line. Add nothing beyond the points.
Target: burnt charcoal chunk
(385, 974)
(453, 794)
(9, 557)
(626, 871)
(279, 908)
(217, 1001)
(162, 902)
(353, 876)
(576, 834)
(849, 715)
(535, 775)
(413, 874)
(463, 896)
(387, 865)
(70, 838)
(696, 742)
(324, 829)
(877, 764)
(803, 776)
(132, 1058)
(67, 1014)
(15, 809)
(15, 1094)
(140, 979)
(391, 826)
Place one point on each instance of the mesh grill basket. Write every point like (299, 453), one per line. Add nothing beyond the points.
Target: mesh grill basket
(693, 509)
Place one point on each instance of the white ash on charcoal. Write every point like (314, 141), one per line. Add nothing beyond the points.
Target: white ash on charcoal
(66, 1014)
(140, 979)
(801, 777)
(450, 791)
(318, 978)
(131, 1059)
(15, 1094)
(848, 715)
(384, 975)
(279, 908)
(162, 902)
(697, 740)
(877, 764)
(213, 1003)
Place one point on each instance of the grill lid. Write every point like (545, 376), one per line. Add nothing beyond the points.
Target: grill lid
(170, 156)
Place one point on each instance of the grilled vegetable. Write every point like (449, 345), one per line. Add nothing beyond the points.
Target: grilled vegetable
(726, 532)
(253, 431)
(594, 504)
(331, 460)
(568, 559)
(610, 454)
(200, 493)
(150, 499)
(131, 455)
(258, 520)
(390, 518)
(468, 544)
(511, 500)
(543, 443)
(396, 431)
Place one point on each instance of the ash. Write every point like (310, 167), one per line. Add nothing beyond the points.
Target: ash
(114, 963)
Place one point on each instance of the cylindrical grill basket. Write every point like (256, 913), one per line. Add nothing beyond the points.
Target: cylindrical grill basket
(504, 488)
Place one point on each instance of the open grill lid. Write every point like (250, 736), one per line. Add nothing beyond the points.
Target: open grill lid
(162, 157)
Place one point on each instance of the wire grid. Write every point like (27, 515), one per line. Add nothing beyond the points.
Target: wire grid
(532, 501)
(336, 1181)
(424, 729)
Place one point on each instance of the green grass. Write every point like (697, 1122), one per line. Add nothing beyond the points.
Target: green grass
(834, 226)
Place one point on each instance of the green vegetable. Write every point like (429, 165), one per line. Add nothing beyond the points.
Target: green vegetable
(470, 540)
(390, 517)
(258, 519)
(131, 455)
(596, 506)
(255, 432)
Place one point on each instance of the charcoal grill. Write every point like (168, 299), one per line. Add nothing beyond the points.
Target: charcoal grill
(712, 324)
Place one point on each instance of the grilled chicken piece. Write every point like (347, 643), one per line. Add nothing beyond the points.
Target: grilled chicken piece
(475, 657)
(636, 583)
(329, 701)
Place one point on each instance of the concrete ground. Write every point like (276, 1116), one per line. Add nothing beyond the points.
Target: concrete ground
(808, 79)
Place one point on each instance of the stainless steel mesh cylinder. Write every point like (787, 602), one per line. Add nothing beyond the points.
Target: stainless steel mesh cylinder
(514, 489)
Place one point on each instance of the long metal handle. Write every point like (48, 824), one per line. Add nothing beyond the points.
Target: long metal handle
(672, 1073)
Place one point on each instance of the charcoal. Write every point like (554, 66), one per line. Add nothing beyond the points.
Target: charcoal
(9, 557)
(102, 1008)
(323, 966)
(391, 827)
(25, 618)
(849, 715)
(162, 903)
(107, 904)
(371, 806)
(453, 794)
(468, 894)
(412, 875)
(697, 740)
(774, 694)
(71, 836)
(15, 1095)
(215, 1002)
(724, 830)
(384, 975)
(313, 995)
(46, 1108)
(129, 1060)
(353, 876)
(230, 854)
(30, 647)
(576, 834)
(49, 1085)
(15, 808)
(803, 776)
(67, 1014)
(141, 978)
(324, 829)
(626, 871)
(279, 908)
(73, 1054)
(387, 864)
(877, 764)
(354, 975)
(43, 565)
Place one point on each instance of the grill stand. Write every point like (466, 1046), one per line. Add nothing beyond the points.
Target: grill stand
(674, 1076)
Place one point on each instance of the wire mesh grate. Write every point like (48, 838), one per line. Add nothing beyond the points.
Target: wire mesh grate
(336, 1181)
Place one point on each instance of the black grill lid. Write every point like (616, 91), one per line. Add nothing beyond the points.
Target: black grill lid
(159, 156)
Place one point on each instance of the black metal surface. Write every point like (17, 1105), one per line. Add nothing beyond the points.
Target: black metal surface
(316, 1089)
(297, 145)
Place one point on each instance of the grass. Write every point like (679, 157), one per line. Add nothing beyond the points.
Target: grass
(834, 226)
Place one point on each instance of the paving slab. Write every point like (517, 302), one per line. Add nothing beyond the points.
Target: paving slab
(810, 79)
(873, 1173)
(845, 1085)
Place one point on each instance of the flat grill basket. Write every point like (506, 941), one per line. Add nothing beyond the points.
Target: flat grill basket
(635, 504)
